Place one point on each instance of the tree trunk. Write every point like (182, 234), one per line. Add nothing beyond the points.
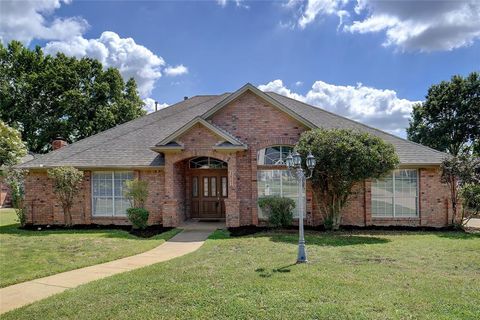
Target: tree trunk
(68, 216)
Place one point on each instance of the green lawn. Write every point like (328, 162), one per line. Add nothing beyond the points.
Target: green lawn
(371, 275)
(26, 255)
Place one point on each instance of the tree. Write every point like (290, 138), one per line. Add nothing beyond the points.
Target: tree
(66, 183)
(449, 119)
(47, 96)
(14, 178)
(471, 201)
(458, 171)
(12, 148)
(344, 158)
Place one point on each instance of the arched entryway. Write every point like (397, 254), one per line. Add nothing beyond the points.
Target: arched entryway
(206, 188)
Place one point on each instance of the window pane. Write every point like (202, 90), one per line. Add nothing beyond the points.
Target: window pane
(107, 192)
(195, 187)
(396, 195)
(205, 186)
(224, 187)
(276, 182)
(213, 186)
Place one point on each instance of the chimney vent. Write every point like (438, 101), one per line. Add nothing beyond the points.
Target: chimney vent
(58, 143)
(156, 105)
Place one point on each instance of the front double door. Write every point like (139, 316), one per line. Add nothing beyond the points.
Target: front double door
(209, 189)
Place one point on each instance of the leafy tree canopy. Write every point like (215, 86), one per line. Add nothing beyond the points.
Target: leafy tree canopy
(47, 96)
(12, 148)
(449, 119)
(344, 158)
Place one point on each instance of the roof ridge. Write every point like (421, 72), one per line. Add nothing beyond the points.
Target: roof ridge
(116, 127)
(357, 122)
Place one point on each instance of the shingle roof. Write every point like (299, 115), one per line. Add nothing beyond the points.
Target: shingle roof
(128, 145)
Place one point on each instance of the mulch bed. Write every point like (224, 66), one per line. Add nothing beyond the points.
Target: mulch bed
(252, 229)
(149, 232)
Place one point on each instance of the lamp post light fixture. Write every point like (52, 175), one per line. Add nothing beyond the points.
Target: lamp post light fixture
(294, 165)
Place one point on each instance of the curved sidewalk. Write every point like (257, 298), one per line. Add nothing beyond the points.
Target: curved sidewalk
(190, 239)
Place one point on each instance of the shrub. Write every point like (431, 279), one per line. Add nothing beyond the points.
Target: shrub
(138, 217)
(278, 209)
(137, 192)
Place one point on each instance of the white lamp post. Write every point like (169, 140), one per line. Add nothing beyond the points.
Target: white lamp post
(294, 164)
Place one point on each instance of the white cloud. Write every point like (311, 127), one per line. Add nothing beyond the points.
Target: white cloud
(132, 59)
(238, 3)
(222, 3)
(408, 25)
(150, 105)
(322, 7)
(379, 108)
(422, 25)
(176, 71)
(28, 20)
(299, 83)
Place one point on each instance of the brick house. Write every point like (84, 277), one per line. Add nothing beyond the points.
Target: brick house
(212, 156)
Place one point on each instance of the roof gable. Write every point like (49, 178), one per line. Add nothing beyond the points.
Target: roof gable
(262, 95)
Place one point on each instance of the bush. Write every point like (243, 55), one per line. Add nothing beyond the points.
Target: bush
(138, 217)
(137, 192)
(278, 209)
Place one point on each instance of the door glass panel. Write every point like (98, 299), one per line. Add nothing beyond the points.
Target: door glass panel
(205, 186)
(224, 187)
(213, 186)
(195, 187)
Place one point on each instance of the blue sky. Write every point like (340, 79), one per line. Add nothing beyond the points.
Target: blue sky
(341, 55)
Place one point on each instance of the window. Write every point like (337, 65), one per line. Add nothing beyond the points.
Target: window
(277, 182)
(205, 186)
(224, 187)
(195, 187)
(273, 155)
(396, 195)
(213, 186)
(107, 193)
(207, 163)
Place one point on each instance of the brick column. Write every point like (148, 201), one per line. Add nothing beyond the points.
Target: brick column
(232, 203)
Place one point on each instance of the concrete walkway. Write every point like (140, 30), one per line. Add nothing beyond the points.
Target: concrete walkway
(190, 239)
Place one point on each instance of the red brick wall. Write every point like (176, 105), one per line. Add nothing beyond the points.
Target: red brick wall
(259, 125)
(44, 208)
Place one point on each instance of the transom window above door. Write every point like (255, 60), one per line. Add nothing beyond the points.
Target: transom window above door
(207, 163)
(274, 155)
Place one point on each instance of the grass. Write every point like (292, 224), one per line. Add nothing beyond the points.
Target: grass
(350, 275)
(27, 255)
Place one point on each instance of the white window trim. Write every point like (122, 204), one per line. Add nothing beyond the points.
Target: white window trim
(417, 200)
(113, 214)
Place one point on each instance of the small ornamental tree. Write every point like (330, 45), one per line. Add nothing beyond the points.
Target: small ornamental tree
(12, 148)
(456, 172)
(344, 158)
(66, 183)
(278, 209)
(14, 178)
(137, 192)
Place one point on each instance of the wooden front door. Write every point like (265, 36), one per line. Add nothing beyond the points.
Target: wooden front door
(209, 188)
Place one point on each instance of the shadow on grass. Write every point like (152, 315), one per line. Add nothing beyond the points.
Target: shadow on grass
(325, 239)
(459, 235)
(15, 230)
(263, 273)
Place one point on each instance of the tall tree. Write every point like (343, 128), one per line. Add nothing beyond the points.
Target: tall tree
(12, 148)
(45, 96)
(449, 119)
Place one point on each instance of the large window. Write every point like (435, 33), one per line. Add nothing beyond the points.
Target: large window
(277, 182)
(396, 195)
(107, 193)
(273, 155)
